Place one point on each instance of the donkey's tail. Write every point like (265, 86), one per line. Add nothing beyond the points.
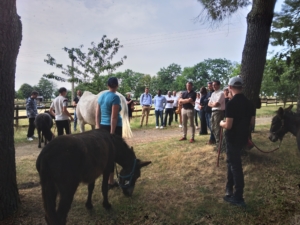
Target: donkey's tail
(49, 190)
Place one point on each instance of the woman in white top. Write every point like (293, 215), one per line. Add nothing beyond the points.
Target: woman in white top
(197, 109)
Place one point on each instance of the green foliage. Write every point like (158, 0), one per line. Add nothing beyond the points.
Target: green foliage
(218, 10)
(276, 80)
(46, 88)
(97, 60)
(166, 78)
(286, 32)
(25, 91)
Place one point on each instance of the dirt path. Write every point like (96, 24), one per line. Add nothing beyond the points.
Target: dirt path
(139, 136)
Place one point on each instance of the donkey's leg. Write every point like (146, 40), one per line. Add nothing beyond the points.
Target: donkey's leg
(67, 192)
(49, 194)
(105, 203)
(81, 123)
(40, 138)
(88, 203)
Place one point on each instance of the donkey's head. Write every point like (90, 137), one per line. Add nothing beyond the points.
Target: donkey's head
(279, 125)
(130, 174)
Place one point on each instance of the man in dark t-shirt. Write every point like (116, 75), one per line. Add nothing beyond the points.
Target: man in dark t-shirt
(187, 112)
(239, 113)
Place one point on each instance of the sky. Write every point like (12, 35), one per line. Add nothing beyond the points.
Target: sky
(154, 33)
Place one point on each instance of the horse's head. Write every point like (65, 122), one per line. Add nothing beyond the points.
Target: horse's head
(278, 126)
(128, 176)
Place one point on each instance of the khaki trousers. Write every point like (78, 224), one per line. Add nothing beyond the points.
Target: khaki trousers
(145, 112)
(215, 120)
(188, 114)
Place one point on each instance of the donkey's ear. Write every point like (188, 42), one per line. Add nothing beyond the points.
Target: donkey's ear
(280, 112)
(288, 109)
(144, 163)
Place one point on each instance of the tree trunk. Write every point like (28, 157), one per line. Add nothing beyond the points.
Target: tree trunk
(298, 100)
(10, 41)
(259, 21)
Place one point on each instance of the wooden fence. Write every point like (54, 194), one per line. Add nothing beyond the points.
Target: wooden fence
(135, 113)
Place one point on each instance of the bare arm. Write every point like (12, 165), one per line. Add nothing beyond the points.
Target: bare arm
(65, 111)
(185, 101)
(114, 118)
(98, 111)
(227, 124)
(51, 112)
(74, 103)
(214, 104)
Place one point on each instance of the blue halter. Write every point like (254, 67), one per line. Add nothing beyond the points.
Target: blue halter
(129, 176)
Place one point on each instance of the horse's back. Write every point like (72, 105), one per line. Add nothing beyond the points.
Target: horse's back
(86, 107)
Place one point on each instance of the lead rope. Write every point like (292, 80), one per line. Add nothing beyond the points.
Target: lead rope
(263, 150)
(220, 145)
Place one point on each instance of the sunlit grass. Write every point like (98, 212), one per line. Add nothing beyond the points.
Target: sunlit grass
(184, 186)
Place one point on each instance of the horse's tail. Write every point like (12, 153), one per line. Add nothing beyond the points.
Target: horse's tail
(49, 190)
(125, 118)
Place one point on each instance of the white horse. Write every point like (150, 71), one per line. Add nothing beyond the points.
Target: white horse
(86, 110)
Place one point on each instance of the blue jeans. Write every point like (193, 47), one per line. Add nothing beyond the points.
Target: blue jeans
(159, 114)
(75, 120)
(207, 117)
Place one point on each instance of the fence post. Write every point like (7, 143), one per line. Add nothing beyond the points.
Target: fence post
(17, 115)
(276, 100)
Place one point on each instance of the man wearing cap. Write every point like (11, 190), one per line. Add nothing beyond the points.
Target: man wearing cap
(239, 117)
(217, 104)
(146, 103)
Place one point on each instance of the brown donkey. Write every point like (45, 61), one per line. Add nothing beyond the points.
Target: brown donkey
(70, 159)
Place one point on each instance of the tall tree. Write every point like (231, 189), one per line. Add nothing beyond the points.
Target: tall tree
(286, 33)
(167, 76)
(259, 21)
(97, 60)
(46, 87)
(10, 41)
(25, 90)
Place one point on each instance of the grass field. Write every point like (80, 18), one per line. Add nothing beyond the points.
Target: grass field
(184, 186)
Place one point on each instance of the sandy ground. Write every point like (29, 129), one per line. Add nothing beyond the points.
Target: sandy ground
(139, 136)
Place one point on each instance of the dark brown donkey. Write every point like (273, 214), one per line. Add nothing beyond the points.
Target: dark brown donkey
(285, 121)
(70, 159)
(43, 123)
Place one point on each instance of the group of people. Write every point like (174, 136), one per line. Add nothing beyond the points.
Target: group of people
(216, 108)
(225, 109)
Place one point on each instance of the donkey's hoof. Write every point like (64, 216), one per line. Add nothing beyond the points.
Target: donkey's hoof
(89, 205)
(107, 206)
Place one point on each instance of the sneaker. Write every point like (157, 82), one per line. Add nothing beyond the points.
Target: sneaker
(192, 140)
(161, 127)
(197, 128)
(182, 139)
(34, 136)
(228, 193)
(29, 139)
(180, 125)
(234, 201)
(157, 127)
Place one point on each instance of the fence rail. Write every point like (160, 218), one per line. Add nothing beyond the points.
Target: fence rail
(135, 112)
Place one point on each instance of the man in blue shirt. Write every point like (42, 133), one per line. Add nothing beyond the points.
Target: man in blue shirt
(146, 103)
(159, 102)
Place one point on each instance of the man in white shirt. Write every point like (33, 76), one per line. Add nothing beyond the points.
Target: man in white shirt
(169, 109)
(61, 114)
(175, 105)
(217, 103)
